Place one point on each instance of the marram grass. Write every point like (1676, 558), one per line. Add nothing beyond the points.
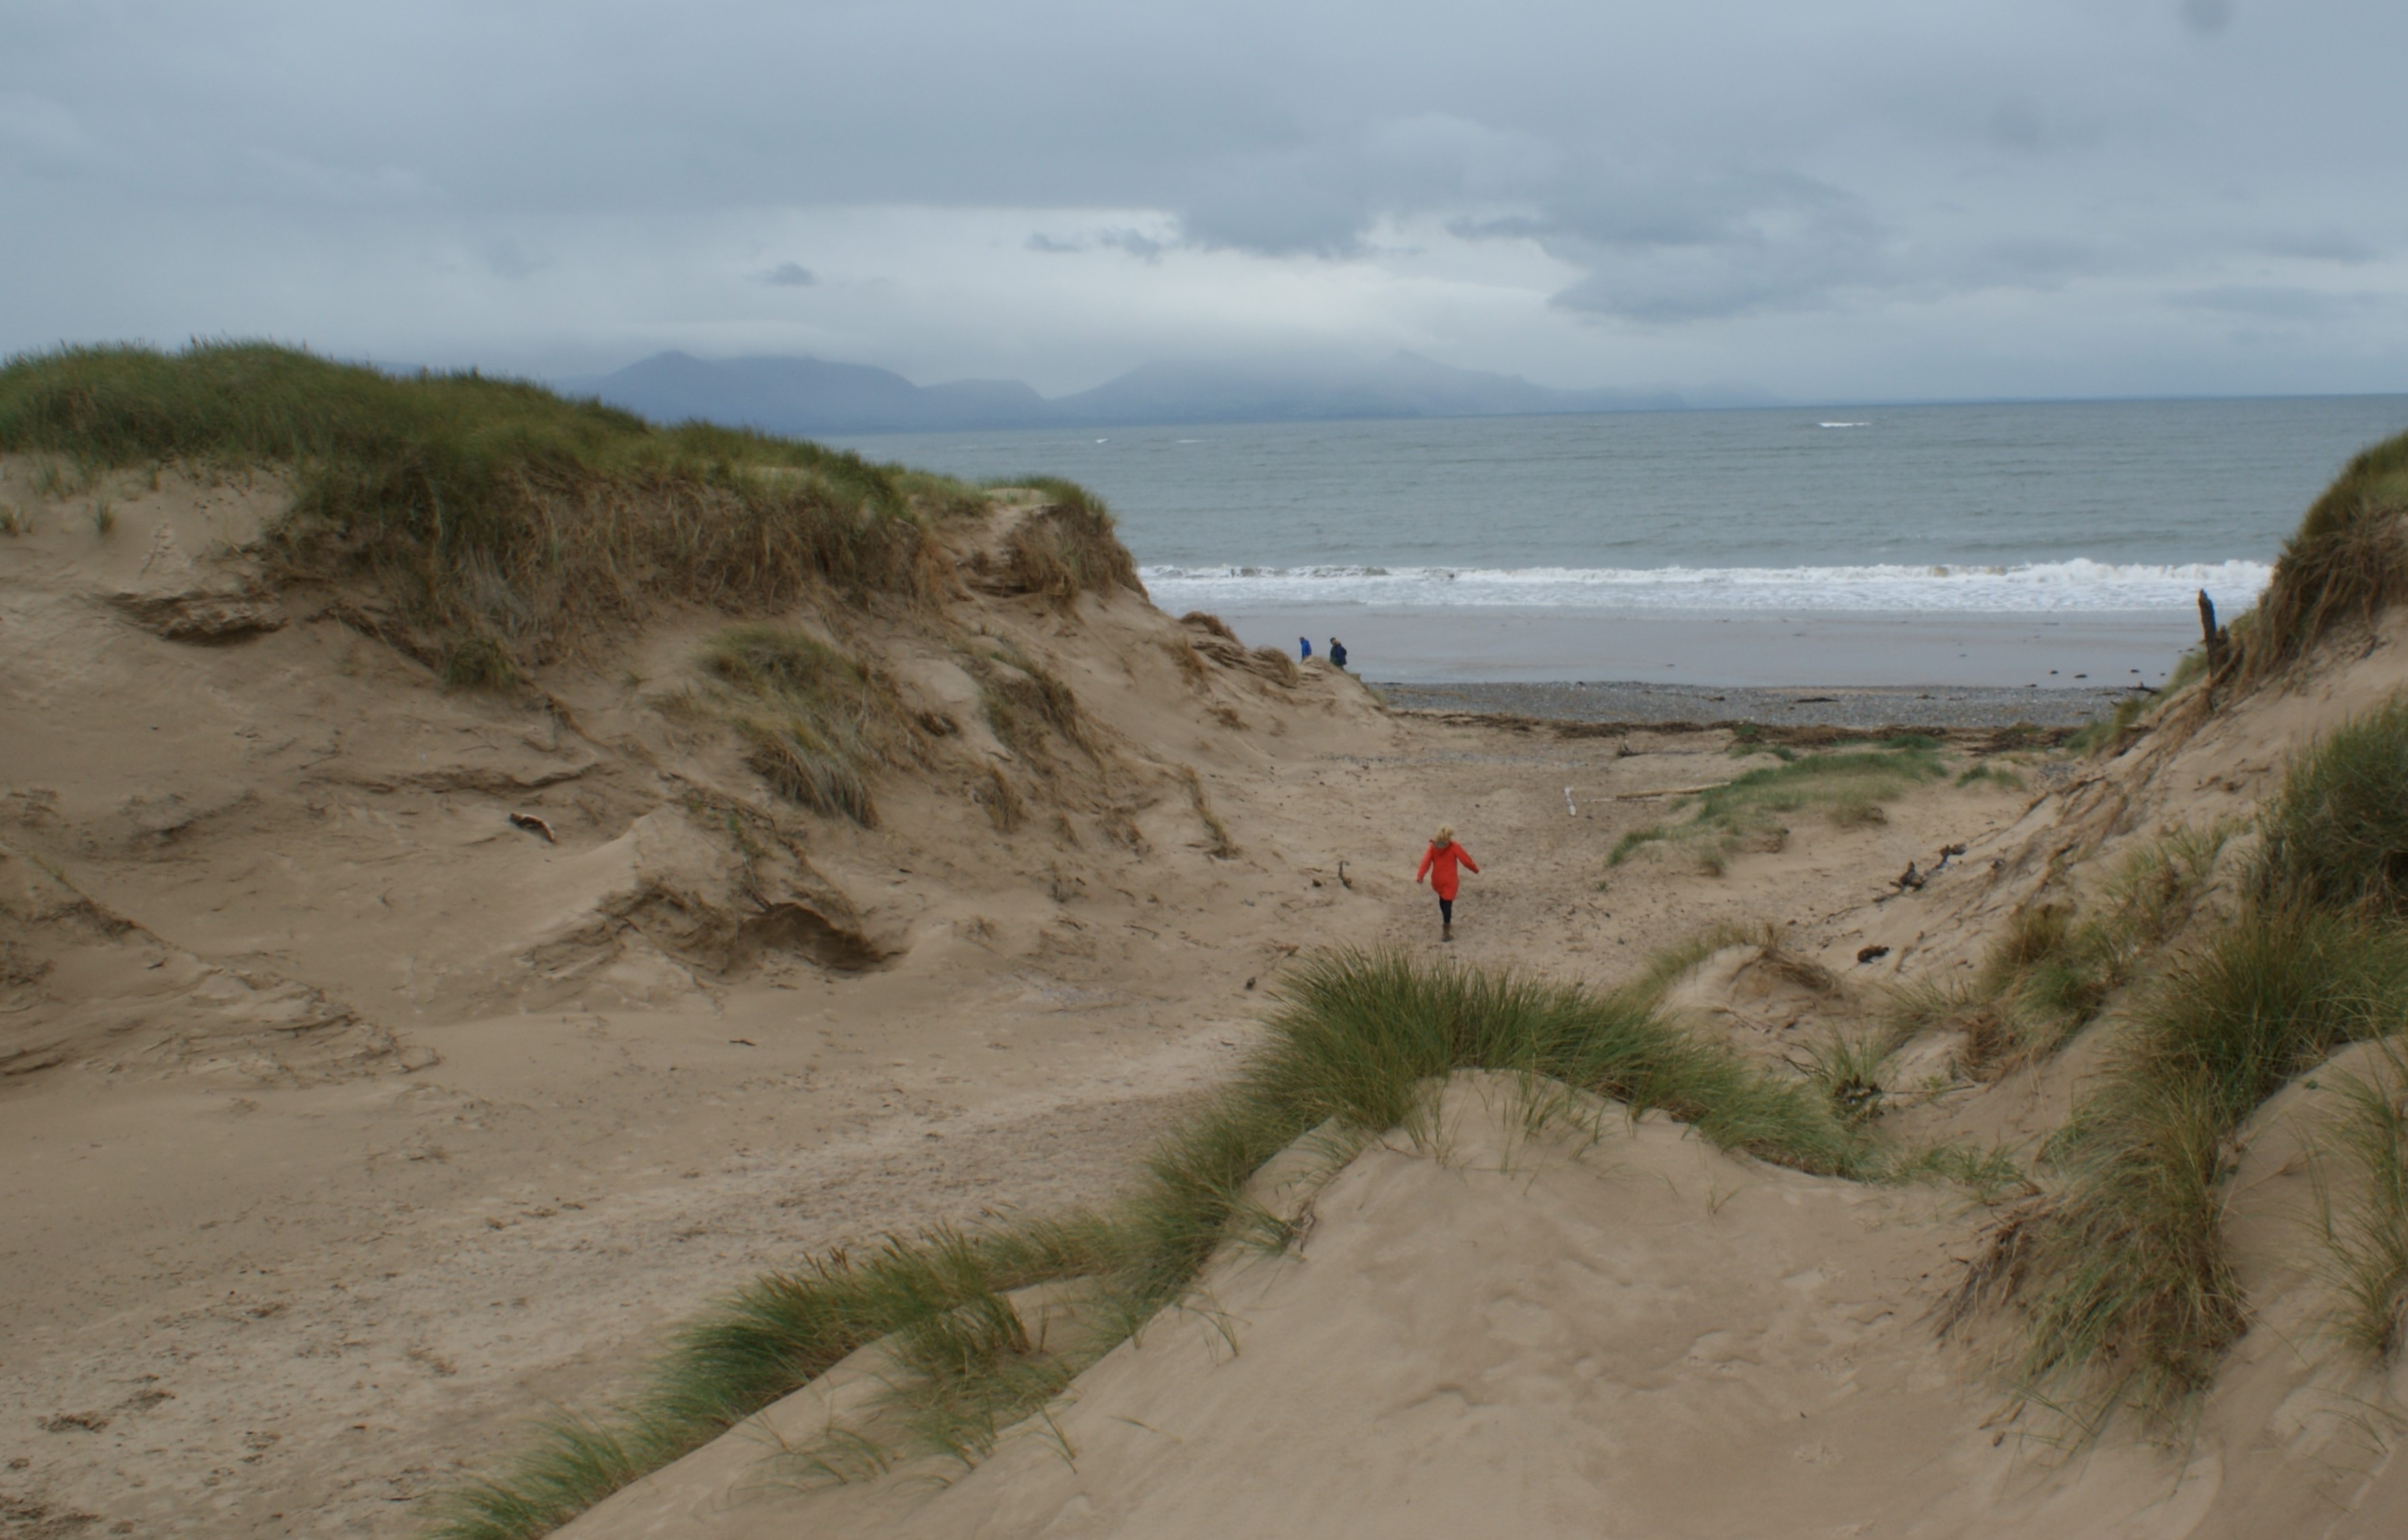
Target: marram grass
(1847, 786)
(1358, 1041)
(2120, 1275)
(493, 525)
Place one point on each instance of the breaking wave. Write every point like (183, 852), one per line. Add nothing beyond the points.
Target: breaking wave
(2078, 585)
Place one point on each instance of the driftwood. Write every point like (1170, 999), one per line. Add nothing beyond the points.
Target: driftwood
(1668, 791)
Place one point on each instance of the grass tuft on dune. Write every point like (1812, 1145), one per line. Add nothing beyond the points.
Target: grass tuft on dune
(2344, 566)
(815, 720)
(2052, 967)
(493, 524)
(1069, 547)
(1847, 786)
(1359, 1042)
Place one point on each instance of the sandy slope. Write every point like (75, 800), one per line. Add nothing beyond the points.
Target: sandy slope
(344, 1125)
(1492, 1334)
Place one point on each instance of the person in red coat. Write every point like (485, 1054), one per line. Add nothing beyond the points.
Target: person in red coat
(1437, 865)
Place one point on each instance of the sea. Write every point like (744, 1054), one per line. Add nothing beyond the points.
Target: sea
(2025, 543)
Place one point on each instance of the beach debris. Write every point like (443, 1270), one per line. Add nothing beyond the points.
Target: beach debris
(1945, 852)
(1623, 750)
(1908, 880)
(1344, 881)
(1569, 811)
(1250, 984)
(1871, 953)
(533, 825)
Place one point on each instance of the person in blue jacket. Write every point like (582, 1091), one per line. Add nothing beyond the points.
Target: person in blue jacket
(1337, 653)
(1304, 647)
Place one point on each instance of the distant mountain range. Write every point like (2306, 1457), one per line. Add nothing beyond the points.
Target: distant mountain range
(811, 395)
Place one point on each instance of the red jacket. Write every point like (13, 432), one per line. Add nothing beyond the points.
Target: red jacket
(1438, 866)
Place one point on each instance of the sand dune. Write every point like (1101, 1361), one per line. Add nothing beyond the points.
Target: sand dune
(352, 1123)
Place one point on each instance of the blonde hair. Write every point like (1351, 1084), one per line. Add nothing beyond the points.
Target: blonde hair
(1446, 838)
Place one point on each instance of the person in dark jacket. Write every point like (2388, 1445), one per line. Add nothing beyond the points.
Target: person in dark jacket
(1337, 653)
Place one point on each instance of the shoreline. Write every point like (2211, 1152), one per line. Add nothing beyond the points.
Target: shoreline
(2074, 654)
(1868, 707)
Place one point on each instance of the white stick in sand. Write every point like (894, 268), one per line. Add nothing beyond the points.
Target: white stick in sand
(1569, 811)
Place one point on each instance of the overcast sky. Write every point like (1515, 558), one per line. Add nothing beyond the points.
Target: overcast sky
(1860, 200)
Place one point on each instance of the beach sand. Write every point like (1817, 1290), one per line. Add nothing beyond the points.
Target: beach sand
(1798, 706)
(1466, 644)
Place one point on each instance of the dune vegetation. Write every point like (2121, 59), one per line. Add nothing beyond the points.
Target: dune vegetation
(2054, 966)
(1359, 1042)
(1847, 786)
(2345, 565)
(2121, 1274)
(816, 721)
(491, 524)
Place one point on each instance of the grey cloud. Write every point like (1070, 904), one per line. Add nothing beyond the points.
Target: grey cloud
(43, 135)
(2277, 302)
(508, 259)
(1135, 242)
(1665, 252)
(790, 275)
(168, 168)
(2337, 246)
(2033, 262)
(2015, 123)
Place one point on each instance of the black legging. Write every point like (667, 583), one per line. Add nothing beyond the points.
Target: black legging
(1446, 910)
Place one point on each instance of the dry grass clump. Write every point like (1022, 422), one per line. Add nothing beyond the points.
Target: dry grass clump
(1774, 955)
(1274, 664)
(1847, 786)
(2364, 1221)
(1358, 1041)
(2337, 833)
(1028, 708)
(2345, 565)
(488, 516)
(1219, 844)
(1848, 1070)
(2052, 967)
(2113, 731)
(1068, 547)
(1005, 807)
(2120, 1274)
(1189, 661)
(817, 721)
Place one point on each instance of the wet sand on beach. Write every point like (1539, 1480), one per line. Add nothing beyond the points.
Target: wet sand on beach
(1499, 644)
(1827, 706)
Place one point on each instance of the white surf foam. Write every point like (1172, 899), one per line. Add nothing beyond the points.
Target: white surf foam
(2075, 586)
